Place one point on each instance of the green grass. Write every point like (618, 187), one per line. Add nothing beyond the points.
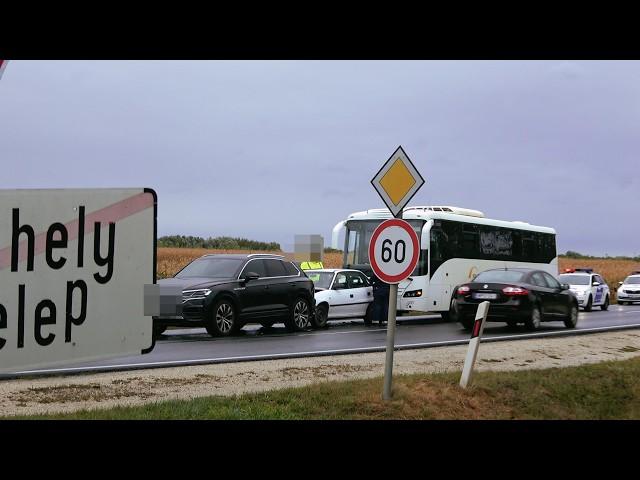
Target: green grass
(609, 390)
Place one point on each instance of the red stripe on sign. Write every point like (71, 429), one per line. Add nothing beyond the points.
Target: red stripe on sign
(112, 213)
(476, 328)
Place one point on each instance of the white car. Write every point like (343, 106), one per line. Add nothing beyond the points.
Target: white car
(341, 293)
(629, 290)
(589, 288)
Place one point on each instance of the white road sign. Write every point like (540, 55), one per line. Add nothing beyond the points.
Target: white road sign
(394, 250)
(73, 265)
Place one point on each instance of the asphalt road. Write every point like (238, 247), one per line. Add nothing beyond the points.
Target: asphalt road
(195, 346)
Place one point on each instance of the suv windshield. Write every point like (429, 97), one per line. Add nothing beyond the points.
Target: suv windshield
(574, 279)
(211, 267)
(499, 276)
(632, 281)
(320, 279)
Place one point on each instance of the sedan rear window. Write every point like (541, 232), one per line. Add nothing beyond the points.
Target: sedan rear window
(500, 276)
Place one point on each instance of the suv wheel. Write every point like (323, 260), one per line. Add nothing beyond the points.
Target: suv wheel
(572, 320)
(605, 305)
(533, 323)
(223, 321)
(587, 307)
(322, 313)
(300, 316)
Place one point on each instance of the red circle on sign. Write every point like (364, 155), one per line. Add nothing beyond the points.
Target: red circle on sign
(394, 222)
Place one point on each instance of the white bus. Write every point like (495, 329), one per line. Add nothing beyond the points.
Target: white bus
(455, 245)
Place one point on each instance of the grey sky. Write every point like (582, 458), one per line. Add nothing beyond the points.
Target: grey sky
(270, 149)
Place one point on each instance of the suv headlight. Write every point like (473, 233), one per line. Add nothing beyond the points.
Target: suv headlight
(195, 294)
(413, 293)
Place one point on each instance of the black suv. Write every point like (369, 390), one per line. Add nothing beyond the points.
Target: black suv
(225, 292)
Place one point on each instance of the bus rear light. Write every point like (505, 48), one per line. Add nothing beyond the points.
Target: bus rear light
(463, 290)
(515, 291)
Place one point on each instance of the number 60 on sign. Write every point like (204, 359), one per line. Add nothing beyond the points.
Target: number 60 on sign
(393, 250)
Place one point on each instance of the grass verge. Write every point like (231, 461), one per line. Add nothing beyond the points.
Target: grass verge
(608, 390)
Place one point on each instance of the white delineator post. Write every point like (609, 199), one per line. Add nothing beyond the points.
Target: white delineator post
(474, 343)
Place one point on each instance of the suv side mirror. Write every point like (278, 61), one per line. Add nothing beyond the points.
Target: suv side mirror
(596, 284)
(250, 276)
(620, 283)
(564, 286)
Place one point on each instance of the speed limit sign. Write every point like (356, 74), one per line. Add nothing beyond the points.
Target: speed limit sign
(393, 250)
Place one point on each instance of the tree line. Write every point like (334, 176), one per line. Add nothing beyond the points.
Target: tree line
(577, 255)
(221, 243)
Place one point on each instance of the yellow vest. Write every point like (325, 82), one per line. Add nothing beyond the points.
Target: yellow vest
(311, 265)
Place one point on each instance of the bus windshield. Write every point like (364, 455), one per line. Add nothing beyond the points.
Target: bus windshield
(357, 238)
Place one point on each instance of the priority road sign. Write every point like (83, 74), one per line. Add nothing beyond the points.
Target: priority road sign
(397, 181)
(393, 250)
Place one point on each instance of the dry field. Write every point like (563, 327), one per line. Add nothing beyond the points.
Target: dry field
(171, 260)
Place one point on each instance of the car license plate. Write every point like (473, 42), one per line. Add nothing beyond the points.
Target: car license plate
(485, 296)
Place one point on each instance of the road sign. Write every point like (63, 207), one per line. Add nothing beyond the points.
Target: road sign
(397, 181)
(3, 65)
(393, 250)
(73, 266)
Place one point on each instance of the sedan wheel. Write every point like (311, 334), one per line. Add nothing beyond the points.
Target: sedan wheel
(300, 316)
(533, 323)
(588, 306)
(322, 313)
(572, 320)
(605, 305)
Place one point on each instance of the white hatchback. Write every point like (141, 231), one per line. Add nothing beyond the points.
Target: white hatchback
(341, 293)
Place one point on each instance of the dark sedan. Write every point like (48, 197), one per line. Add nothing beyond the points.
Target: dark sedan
(517, 295)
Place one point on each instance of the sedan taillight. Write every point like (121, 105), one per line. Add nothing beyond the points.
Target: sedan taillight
(463, 290)
(513, 291)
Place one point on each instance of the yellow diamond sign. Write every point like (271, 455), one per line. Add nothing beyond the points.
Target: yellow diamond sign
(397, 181)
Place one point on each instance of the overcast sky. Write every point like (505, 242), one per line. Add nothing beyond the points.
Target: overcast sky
(270, 149)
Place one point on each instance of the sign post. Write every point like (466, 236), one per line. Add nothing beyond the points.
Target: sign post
(394, 246)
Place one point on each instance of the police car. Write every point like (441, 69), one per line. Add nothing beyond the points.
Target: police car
(341, 293)
(629, 290)
(589, 288)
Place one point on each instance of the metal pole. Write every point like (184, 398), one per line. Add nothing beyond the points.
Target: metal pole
(391, 336)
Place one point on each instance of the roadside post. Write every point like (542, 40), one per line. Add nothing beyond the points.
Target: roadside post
(474, 343)
(394, 247)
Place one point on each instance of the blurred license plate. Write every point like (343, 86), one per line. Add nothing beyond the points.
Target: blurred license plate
(485, 296)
